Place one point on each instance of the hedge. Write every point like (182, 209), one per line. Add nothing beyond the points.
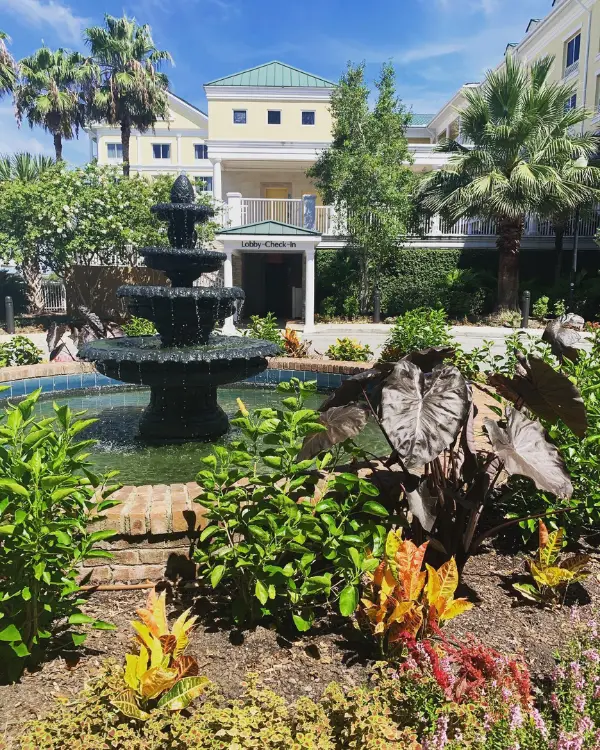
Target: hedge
(416, 278)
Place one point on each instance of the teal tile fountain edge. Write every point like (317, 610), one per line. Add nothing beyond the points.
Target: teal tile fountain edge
(18, 389)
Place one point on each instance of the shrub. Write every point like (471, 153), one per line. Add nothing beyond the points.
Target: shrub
(294, 347)
(49, 494)
(277, 551)
(20, 350)
(351, 307)
(139, 327)
(416, 329)
(349, 350)
(266, 329)
(540, 307)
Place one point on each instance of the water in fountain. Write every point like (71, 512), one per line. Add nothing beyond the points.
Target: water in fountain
(187, 361)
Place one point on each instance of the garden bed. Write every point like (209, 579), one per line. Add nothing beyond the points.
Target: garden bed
(294, 665)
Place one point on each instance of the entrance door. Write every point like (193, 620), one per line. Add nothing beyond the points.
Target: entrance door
(277, 208)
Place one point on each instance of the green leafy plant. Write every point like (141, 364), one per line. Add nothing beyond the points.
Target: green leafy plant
(266, 329)
(349, 350)
(551, 576)
(161, 675)
(415, 330)
(540, 307)
(559, 308)
(48, 496)
(139, 327)
(351, 307)
(277, 550)
(20, 350)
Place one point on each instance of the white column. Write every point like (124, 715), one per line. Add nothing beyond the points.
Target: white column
(228, 326)
(234, 210)
(217, 189)
(179, 159)
(436, 228)
(139, 149)
(309, 291)
(92, 149)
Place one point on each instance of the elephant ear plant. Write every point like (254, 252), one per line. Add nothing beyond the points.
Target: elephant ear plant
(48, 496)
(426, 412)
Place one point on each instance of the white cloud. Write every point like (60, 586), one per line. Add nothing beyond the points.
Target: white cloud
(43, 14)
(429, 51)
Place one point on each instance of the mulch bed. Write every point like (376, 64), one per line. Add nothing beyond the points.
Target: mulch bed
(294, 666)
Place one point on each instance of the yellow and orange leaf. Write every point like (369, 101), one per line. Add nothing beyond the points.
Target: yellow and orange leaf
(157, 680)
(454, 609)
(434, 585)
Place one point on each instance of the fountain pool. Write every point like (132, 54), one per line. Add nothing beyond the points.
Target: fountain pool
(119, 411)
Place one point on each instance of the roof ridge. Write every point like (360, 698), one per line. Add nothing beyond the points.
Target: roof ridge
(297, 229)
(216, 81)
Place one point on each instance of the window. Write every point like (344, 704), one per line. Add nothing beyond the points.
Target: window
(161, 150)
(114, 150)
(274, 117)
(308, 117)
(571, 103)
(200, 151)
(204, 184)
(239, 116)
(572, 57)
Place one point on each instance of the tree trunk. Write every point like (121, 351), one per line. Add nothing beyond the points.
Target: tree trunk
(32, 276)
(559, 234)
(125, 138)
(508, 243)
(58, 147)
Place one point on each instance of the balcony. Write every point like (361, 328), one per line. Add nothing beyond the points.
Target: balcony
(432, 230)
(571, 69)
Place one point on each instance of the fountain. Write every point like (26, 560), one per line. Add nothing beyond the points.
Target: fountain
(185, 363)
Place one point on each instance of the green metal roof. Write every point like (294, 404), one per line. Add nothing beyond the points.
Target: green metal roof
(273, 74)
(271, 228)
(420, 121)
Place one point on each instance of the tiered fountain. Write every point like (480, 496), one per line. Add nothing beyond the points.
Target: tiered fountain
(186, 362)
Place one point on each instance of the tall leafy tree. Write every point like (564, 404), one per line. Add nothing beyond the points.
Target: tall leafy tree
(50, 93)
(23, 205)
(365, 173)
(131, 91)
(521, 148)
(8, 67)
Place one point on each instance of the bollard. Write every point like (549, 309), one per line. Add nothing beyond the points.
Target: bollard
(525, 304)
(376, 306)
(10, 314)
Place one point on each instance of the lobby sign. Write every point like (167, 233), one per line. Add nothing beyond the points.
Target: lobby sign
(268, 245)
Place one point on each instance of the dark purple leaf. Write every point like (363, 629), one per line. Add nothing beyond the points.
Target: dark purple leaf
(423, 414)
(342, 422)
(525, 450)
(427, 359)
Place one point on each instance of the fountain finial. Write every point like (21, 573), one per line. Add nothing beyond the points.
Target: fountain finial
(183, 191)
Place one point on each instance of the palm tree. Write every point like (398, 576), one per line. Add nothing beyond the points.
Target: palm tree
(519, 128)
(23, 166)
(8, 67)
(131, 92)
(51, 92)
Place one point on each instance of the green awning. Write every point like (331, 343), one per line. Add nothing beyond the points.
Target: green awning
(271, 228)
(275, 74)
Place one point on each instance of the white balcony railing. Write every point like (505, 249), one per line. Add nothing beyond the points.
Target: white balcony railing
(572, 68)
(286, 210)
(328, 222)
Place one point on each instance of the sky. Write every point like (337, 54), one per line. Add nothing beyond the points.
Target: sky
(435, 45)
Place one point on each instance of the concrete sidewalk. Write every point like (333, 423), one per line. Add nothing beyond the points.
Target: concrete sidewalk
(374, 334)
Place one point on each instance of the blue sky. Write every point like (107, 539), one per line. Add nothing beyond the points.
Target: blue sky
(435, 45)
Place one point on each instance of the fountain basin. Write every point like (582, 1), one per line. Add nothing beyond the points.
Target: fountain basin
(182, 266)
(183, 316)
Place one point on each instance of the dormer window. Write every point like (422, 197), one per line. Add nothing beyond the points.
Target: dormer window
(239, 116)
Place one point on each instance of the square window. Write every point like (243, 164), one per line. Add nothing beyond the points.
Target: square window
(200, 151)
(239, 116)
(274, 117)
(204, 184)
(114, 150)
(161, 150)
(308, 118)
